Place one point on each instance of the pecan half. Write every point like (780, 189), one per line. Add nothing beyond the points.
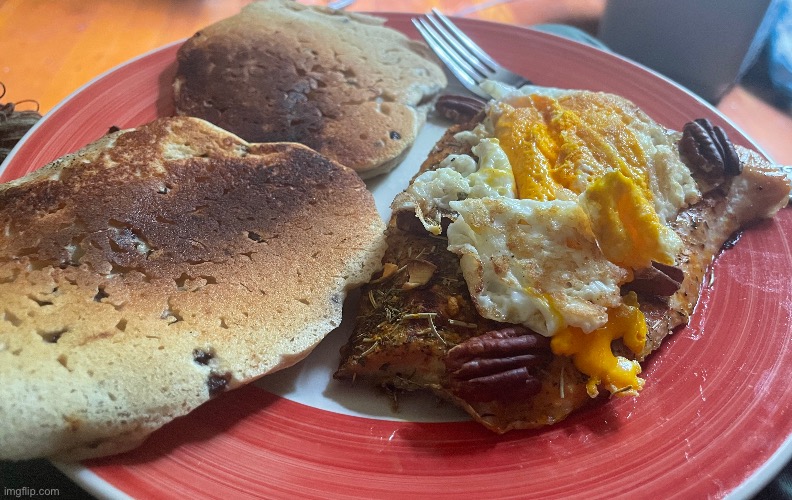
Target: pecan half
(458, 108)
(498, 365)
(708, 148)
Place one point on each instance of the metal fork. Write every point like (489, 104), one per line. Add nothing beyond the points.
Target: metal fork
(462, 56)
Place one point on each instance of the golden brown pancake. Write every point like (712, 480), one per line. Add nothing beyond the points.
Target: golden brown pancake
(341, 83)
(159, 267)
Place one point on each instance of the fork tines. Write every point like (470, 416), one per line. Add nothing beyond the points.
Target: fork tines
(430, 30)
(461, 55)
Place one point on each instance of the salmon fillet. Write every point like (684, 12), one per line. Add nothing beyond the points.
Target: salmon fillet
(415, 314)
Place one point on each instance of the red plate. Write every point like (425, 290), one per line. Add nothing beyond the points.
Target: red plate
(713, 419)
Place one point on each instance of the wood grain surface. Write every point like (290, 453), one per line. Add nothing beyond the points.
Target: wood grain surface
(49, 48)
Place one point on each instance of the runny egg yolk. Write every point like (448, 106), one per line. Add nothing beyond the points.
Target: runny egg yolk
(591, 352)
(628, 230)
(579, 147)
(557, 147)
(561, 148)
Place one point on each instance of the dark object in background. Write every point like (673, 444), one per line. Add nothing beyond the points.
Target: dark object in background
(779, 52)
(770, 77)
(704, 45)
(14, 124)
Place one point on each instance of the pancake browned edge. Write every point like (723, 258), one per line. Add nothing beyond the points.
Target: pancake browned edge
(159, 267)
(419, 328)
(339, 82)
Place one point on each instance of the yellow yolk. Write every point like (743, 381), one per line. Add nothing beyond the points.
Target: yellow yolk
(627, 228)
(532, 152)
(565, 144)
(591, 352)
(562, 148)
(581, 148)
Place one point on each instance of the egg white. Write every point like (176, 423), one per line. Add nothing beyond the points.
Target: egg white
(529, 262)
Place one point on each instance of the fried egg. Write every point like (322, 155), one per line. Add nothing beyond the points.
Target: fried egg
(534, 262)
(565, 194)
(460, 177)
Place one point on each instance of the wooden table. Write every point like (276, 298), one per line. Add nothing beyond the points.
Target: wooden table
(49, 48)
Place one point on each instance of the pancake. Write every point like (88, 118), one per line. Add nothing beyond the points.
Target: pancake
(159, 267)
(341, 83)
